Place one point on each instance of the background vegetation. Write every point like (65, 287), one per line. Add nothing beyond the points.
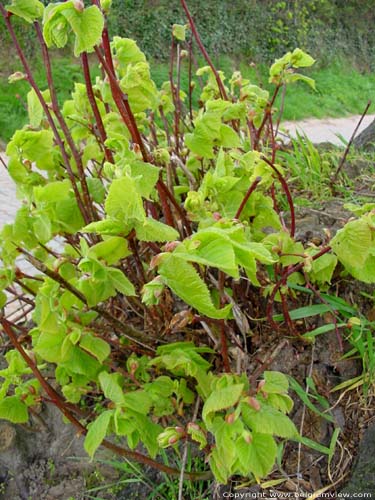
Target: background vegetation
(339, 35)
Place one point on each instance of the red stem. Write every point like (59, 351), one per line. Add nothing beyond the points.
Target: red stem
(94, 107)
(204, 51)
(247, 196)
(89, 206)
(283, 281)
(57, 400)
(287, 193)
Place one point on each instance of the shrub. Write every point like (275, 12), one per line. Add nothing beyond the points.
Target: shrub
(149, 225)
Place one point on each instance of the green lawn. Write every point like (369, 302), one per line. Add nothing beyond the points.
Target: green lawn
(341, 90)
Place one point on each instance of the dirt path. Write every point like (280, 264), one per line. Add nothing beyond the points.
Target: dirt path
(325, 130)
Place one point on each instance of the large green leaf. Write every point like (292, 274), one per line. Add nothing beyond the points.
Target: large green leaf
(120, 281)
(14, 410)
(145, 176)
(111, 387)
(184, 281)
(124, 202)
(268, 420)
(221, 399)
(259, 455)
(111, 250)
(154, 230)
(86, 24)
(97, 432)
(95, 346)
(127, 51)
(29, 10)
(139, 87)
(106, 227)
(210, 247)
(275, 382)
(352, 243)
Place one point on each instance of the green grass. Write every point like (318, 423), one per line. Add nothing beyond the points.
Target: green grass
(341, 90)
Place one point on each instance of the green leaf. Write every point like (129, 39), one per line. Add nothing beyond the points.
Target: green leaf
(145, 177)
(111, 250)
(297, 77)
(14, 410)
(105, 227)
(52, 192)
(95, 346)
(322, 268)
(34, 108)
(313, 445)
(352, 243)
(49, 344)
(153, 230)
(121, 282)
(3, 299)
(127, 51)
(42, 228)
(218, 466)
(184, 281)
(97, 432)
(96, 189)
(139, 401)
(210, 247)
(87, 26)
(275, 382)
(268, 420)
(300, 59)
(29, 10)
(179, 31)
(228, 137)
(281, 402)
(139, 87)
(261, 454)
(111, 387)
(124, 202)
(221, 399)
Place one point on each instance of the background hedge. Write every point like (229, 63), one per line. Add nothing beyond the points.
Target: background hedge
(255, 29)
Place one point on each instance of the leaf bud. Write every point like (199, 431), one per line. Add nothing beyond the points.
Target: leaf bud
(247, 437)
(169, 437)
(171, 245)
(133, 367)
(254, 403)
(79, 5)
(230, 418)
(16, 77)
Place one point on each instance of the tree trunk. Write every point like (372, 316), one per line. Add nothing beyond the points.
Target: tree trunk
(366, 139)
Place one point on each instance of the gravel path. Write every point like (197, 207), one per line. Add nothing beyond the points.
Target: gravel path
(326, 130)
(317, 130)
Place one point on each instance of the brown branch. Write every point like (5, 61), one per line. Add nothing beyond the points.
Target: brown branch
(60, 404)
(128, 331)
(348, 146)
(204, 51)
(88, 204)
(94, 107)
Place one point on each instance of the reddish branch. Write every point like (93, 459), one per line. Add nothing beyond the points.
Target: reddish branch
(285, 187)
(247, 196)
(58, 401)
(89, 206)
(94, 107)
(204, 51)
(47, 112)
(283, 282)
